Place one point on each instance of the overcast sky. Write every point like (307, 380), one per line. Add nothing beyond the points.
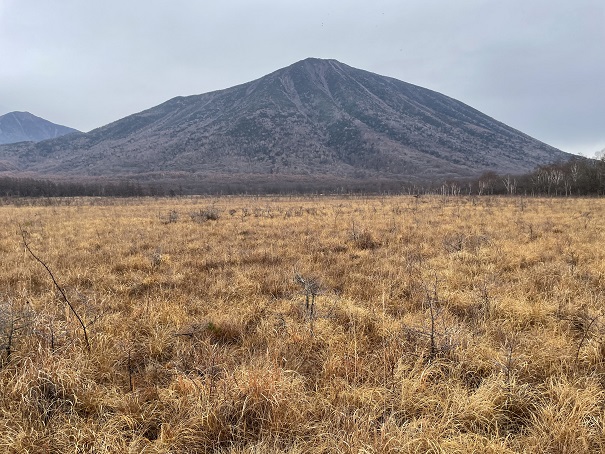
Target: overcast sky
(536, 65)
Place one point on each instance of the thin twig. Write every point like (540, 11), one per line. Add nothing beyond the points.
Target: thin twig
(71, 307)
(585, 335)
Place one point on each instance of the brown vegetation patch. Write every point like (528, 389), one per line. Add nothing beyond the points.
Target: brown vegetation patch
(440, 324)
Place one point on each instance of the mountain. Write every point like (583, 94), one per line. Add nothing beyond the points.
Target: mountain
(313, 120)
(25, 127)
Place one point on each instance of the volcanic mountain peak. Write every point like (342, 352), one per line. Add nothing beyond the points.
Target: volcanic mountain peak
(315, 119)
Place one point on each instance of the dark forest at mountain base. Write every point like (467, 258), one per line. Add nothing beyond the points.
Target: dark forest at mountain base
(577, 177)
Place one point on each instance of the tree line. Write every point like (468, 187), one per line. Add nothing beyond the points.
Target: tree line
(577, 177)
(30, 187)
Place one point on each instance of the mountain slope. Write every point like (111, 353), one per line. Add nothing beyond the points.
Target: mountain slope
(23, 126)
(313, 119)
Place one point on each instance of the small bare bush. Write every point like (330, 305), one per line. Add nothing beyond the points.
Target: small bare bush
(169, 218)
(363, 238)
(206, 214)
(16, 323)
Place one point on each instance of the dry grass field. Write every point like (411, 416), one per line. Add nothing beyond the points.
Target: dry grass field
(300, 325)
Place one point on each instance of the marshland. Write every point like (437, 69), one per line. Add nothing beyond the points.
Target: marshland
(302, 324)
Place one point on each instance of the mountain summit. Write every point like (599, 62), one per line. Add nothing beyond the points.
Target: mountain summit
(23, 126)
(315, 119)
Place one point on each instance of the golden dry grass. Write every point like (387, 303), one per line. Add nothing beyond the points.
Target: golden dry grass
(449, 325)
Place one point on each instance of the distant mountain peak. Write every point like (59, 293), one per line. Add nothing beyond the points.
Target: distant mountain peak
(315, 119)
(314, 64)
(25, 127)
(315, 61)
